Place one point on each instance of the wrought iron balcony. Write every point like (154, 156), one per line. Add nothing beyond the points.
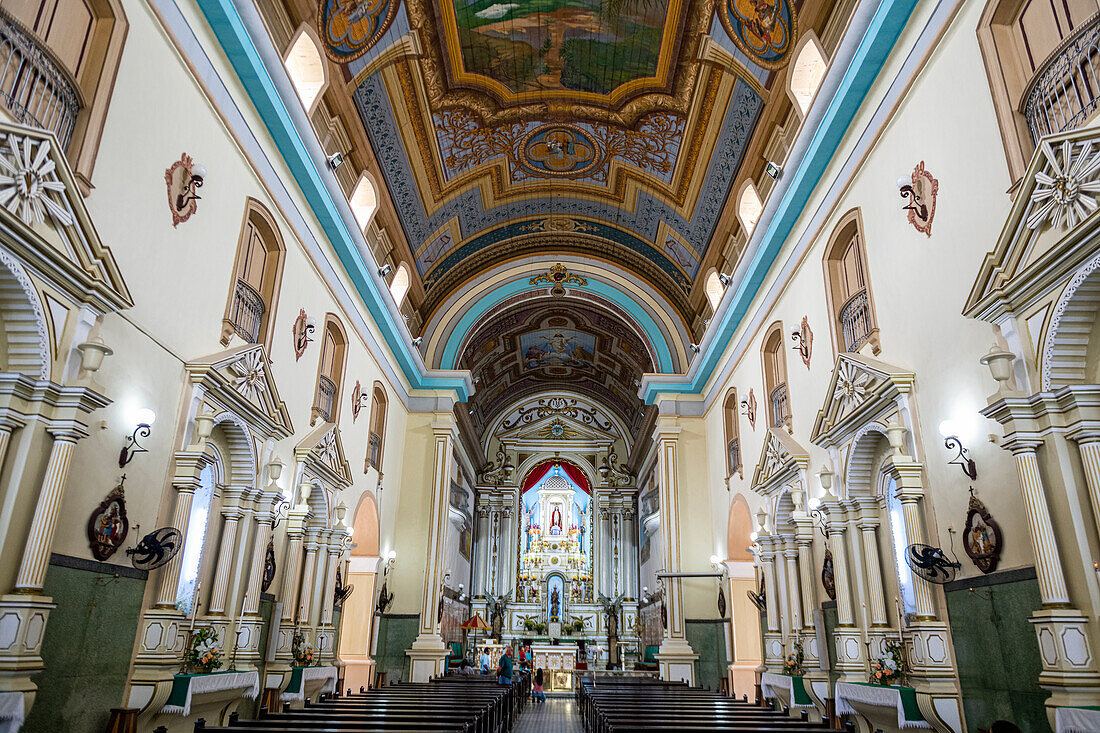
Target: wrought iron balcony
(855, 321)
(247, 312)
(34, 86)
(374, 450)
(781, 411)
(326, 394)
(733, 455)
(1065, 90)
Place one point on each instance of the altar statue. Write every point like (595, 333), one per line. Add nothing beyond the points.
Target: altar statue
(555, 521)
(555, 605)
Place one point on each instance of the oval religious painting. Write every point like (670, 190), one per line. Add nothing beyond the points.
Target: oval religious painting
(827, 578)
(108, 525)
(764, 30)
(269, 567)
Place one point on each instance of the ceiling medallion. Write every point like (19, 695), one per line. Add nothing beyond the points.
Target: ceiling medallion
(560, 151)
(764, 30)
(350, 28)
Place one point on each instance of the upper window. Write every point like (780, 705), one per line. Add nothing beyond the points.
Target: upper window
(191, 557)
(775, 377)
(749, 208)
(733, 434)
(306, 67)
(807, 72)
(377, 435)
(1043, 62)
(257, 274)
(363, 202)
(58, 62)
(330, 371)
(848, 287)
(714, 289)
(399, 286)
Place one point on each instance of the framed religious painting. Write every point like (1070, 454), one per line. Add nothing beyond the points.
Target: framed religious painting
(108, 525)
(981, 536)
(828, 579)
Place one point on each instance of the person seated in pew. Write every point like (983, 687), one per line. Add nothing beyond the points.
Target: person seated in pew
(504, 669)
(536, 687)
(466, 668)
(486, 660)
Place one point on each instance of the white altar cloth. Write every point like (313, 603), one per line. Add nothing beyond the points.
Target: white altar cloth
(328, 674)
(205, 683)
(1076, 720)
(880, 695)
(769, 681)
(11, 711)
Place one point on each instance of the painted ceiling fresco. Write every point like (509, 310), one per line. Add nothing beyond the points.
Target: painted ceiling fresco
(551, 343)
(584, 126)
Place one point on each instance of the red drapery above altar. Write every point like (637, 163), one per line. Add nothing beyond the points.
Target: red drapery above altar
(575, 475)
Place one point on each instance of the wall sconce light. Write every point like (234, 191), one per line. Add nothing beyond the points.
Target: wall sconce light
(194, 180)
(919, 189)
(335, 161)
(384, 270)
(304, 326)
(144, 419)
(359, 400)
(950, 432)
(803, 339)
(913, 202)
(92, 352)
(725, 279)
(818, 514)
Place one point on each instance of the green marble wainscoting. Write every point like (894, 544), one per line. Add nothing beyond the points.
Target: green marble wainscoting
(88, 644)
(708, 639)
(996, 650)
(396, 634)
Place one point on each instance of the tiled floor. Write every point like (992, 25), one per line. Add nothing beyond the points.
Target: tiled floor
(556, 715)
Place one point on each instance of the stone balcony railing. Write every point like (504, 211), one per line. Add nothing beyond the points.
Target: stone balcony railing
(1065, 90)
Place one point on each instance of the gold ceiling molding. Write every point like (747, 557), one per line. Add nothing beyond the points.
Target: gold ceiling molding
(674, 95)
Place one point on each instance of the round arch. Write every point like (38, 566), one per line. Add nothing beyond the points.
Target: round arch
(867, 448)
(531, 464)
(239, 447)
(365, 527)
(739, 530)
(25, 330)
(1066, 353)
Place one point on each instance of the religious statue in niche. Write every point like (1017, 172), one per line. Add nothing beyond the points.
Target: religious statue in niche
(828, 579)
(108, 525)
(981, 536)
(497, 606)
(555, 520)
(555, 605)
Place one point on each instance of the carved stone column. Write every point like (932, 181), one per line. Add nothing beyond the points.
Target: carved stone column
(231, 514)
(773, 636)
(288, 588)
(794, 596)
(428, 651)
(309, 574)
(850, 653)
(676, 657)
(806, 575)
(1088, 443)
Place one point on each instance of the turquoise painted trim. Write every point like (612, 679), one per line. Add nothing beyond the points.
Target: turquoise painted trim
(616, 296)
(882, 33)
(246, 61)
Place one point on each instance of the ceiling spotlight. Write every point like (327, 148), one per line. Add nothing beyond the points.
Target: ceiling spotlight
(417, 341)
(724, 279)
(773, 170)
(384, 270)
(695, 348)
(335, 161)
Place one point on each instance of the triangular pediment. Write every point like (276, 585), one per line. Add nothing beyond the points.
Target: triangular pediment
(780, 457)
(241, 377)
(860, 388)
(50, 226)
(1041, 241)
(322, 453)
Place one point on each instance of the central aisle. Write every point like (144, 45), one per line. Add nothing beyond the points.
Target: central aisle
(556, 715)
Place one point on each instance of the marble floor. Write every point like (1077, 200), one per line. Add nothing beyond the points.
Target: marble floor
(556, 715)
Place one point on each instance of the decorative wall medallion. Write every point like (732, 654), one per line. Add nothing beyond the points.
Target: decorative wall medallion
(303, 328)
(182, 199)
(559, 151)
(765, 30)
(249, 375)
(108, 525)
(1066, 190)
(350, 28)
(356, 401)
(269, 566)
(29, 183)
(920, 194)
(981, 536)
(804, 341)
(851, 385)
(828, 580)
(558, 277)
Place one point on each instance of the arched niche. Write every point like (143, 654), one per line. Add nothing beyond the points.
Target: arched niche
(739, 530)
(365, 527)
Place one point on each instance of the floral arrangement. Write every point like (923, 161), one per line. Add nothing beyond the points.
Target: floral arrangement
(304, 656)
(792, 666)
(204, 656)
(537, 626)
(889, 669)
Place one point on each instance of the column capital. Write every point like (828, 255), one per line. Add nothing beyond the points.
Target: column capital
(1020, 445)
(445, 428)
(666, 430)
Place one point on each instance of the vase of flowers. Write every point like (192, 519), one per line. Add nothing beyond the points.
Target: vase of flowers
(792, 665)
(304, 656)
(203, 656)
(889, 668)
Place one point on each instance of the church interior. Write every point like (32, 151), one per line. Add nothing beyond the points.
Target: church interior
(724, 365)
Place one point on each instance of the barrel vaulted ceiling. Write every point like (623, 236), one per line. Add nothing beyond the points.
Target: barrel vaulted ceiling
(509, 136)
